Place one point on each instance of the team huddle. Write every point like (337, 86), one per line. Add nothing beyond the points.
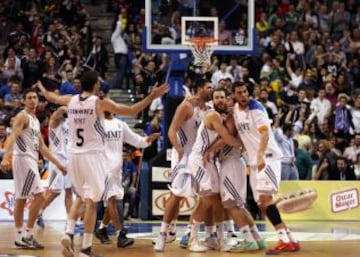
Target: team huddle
(210, 132)
(207, 162)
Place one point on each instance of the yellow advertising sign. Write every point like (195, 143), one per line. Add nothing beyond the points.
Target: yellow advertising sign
(319, 200)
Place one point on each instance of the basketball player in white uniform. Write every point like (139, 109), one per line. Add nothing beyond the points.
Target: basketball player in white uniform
(206, 177)
(182, 134)
(58, 142)
(233, 185)
(254, 128)
(117, 133)
(87, 160)
(25, 142)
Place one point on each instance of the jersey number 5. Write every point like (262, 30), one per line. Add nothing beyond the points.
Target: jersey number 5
(80, 137)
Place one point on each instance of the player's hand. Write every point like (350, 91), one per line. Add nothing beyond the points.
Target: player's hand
(206, 157)
(150, 139)
(159, 90)
(62, 168)
(132, 189)
(260, 162)
(5, 165)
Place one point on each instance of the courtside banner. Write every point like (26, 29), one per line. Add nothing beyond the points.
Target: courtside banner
(160, 198)
(319, 200)
(56, 210)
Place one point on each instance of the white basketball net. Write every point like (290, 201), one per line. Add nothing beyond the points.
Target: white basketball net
(202, 53)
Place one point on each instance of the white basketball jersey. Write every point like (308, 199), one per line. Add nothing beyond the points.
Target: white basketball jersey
(58, 138)
(204, 138)
(228, 152)
(187, 131)
(247, 123)
(114, 143)
(86, 128)
(27, 143)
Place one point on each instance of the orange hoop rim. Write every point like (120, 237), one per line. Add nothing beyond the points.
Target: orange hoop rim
(201, 42)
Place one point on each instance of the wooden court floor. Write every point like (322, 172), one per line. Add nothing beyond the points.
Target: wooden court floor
(314, 245)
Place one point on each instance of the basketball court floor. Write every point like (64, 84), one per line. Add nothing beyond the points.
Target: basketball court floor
(318, 239)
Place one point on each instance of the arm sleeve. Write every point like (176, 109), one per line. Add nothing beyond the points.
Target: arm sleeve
(134, 139)
(117, 31)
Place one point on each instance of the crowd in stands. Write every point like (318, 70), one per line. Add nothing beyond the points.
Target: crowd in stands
(305, 71)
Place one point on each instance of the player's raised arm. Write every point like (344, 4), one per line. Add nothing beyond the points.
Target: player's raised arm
(131, 110)
(51, 96)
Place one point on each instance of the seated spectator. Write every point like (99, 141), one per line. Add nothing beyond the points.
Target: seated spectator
(353, 150)
(44, 173)
(357, 167)
(343, 170)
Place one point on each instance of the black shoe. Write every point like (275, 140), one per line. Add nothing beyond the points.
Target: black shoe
(102, 235)
(88, 253)
(123, 241)
(31, 243)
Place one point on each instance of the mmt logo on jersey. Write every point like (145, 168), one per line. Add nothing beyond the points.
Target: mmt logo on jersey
(243, 127)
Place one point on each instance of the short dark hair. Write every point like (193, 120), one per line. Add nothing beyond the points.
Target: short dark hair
(238, 84)
(88, 80)
(200, 83)
(220, 90)
(287, 126)
(29, 90)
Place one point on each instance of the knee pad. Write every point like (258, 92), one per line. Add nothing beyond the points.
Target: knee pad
(273, 214)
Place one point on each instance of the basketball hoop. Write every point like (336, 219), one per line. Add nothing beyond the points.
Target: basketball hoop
(202, 48)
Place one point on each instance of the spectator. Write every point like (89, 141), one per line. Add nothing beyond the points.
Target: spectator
(129, 180)
(327, 161)
(44, 173)
(343, 118)
(14, 98)
(351, 152)
(357, 167)
(321, 106)
(154, 126)
(343, 170)
(284, 137)
(120, 51)
(303, 162)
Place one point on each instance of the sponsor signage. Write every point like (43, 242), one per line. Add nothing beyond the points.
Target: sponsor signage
(56, 210)
(160, 198)
(319, 200)
(161, 174)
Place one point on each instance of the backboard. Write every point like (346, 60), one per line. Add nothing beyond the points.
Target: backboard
(169, 24)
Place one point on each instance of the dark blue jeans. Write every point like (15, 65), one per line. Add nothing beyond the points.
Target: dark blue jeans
(121, 61)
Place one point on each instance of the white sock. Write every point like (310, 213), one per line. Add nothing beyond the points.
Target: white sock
(283, 235)
(87, 240)
(102, 225)
(230, 227)
(117, 233)
(291, 236)
(245, 231)
(220, 230)
(213, 228)
(195, 229)
(188, 228)
(70, 226)
(255, 232)
(208, 231)
(172, 227)
(28, 232)
(18, 234)
(164, 227)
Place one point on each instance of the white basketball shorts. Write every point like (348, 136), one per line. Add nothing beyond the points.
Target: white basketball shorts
(26, 177)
